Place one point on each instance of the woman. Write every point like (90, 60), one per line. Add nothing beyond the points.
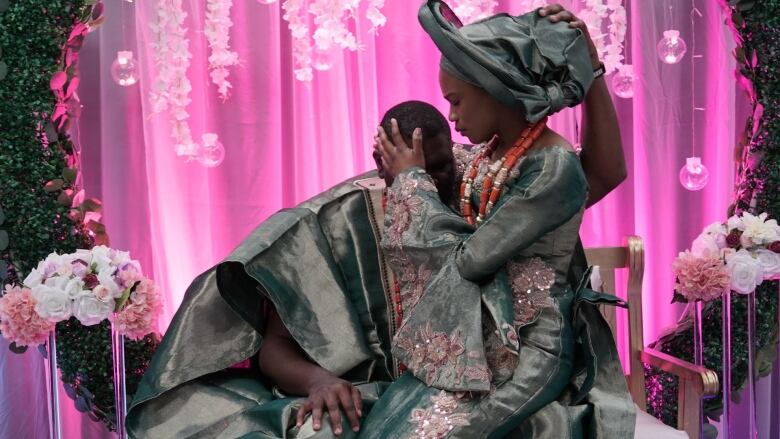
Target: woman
(488, 334)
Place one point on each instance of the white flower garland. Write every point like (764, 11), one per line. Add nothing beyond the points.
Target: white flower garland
(330, 26)
(217, 30)
(171, 88)
(330, 19)
(610, 49)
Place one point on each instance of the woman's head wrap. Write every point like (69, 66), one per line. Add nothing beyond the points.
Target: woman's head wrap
(524, 61)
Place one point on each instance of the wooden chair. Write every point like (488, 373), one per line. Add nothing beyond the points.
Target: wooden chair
(695, 382)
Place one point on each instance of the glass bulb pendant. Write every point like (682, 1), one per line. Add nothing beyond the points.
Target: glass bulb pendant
(212, 152)
(124, 70)
(693, 176)
(671, 48)
(623, 82)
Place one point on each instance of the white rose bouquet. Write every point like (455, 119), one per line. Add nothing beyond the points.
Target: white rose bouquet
(90, 285)
(739, 254)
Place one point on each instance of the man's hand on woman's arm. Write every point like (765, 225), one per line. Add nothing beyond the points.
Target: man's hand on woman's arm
(286, 364)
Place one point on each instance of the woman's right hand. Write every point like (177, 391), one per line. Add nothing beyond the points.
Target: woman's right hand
(329, 392)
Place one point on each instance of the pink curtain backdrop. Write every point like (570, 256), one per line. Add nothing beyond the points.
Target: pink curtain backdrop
(288, 140)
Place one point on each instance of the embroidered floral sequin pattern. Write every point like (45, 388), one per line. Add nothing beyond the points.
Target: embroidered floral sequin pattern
(511, 335)
(500, 359)
(463, 157)
(531, 282)
(403, 204)
(430, 351)
(412, 280)
(439, 419)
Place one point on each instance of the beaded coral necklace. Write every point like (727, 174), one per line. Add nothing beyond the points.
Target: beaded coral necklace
(497, 174)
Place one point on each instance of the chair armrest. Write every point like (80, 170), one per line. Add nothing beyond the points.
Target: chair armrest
(695, 383)
(704, 380)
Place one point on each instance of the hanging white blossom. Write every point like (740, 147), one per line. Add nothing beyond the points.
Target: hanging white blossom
(171, 88)
(329, 33)
(217, 31)
(606, 20)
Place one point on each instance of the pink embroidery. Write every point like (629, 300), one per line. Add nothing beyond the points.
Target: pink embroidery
(463, 157)
(438, 420)
(412, 281)
(511, 335)
(430, 350)
(403, 204)
(531, 281)
(501, 361)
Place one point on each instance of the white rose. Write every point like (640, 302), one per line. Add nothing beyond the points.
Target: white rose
(52, 304)
(74, 287)
(83, 255)
(735, 223)
(716, 229)
(705, 245)
(91, 311)
(102, 259)
(770, 263)
(758, 229)
(107, 280)
(745, 271)
(120, 257)
(58, 282)
(34, 278)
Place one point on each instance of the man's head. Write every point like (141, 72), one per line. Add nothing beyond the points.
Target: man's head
(437, 142)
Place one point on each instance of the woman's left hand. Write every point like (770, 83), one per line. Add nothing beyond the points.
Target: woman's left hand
(397, 156)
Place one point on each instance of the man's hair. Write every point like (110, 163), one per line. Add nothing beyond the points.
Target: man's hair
(414, 114)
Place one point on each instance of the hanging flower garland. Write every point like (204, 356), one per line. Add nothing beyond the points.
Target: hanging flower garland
(374, 14)
(217, 30)
(171, 88)
(609, 43)
(314, 49)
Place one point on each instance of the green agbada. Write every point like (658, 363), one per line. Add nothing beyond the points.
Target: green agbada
(321, 267)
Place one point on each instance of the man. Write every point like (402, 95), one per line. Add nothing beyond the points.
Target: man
(312, 289)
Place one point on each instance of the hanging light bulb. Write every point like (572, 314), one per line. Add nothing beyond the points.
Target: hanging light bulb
(693, 176)
(323, 59)
(212, 153)
(671, 48)
(623, 81)
(124, 69)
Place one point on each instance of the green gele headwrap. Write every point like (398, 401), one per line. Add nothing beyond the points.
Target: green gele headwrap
(524, 61)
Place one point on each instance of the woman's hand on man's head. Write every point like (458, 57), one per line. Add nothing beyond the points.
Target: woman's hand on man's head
(397, 156)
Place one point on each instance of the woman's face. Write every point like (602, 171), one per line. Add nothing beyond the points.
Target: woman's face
(472, 109)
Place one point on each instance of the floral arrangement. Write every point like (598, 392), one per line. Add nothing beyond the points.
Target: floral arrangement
(217, 30)
(739, 254)
(90, 285)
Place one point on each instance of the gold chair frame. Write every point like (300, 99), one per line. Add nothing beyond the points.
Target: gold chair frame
(695, 382)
